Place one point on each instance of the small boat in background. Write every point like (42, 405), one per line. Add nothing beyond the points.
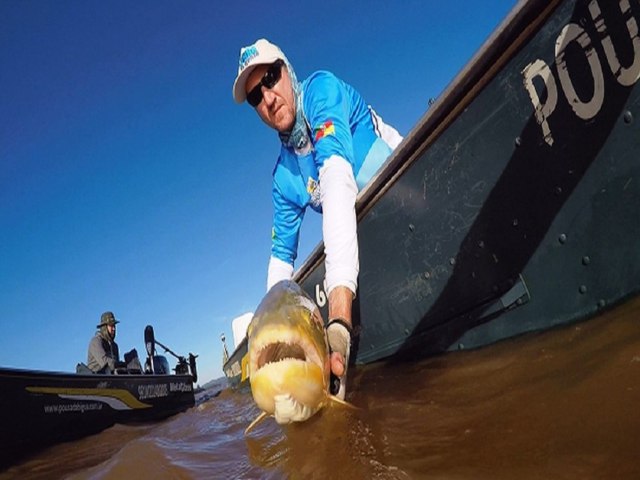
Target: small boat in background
(39, 408)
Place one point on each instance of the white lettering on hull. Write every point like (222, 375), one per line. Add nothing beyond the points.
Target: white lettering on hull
(538, 72)
(153, 391)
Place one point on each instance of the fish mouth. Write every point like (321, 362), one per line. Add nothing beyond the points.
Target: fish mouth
(279, 351)
(276, 345)
(288, 380)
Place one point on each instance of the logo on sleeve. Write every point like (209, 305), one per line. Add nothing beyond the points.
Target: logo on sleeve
(313, 189)
(324, 130)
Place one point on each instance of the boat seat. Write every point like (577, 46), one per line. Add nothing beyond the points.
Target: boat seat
(82, 369)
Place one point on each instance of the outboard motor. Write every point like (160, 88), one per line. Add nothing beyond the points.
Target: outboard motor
(159, 365)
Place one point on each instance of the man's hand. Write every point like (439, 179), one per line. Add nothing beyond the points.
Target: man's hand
(337, 364)
(339, 332)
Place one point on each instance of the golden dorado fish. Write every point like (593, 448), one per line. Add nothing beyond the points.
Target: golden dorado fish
(289, 365)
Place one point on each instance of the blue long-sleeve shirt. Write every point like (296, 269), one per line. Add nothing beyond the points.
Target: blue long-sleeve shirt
(341, 125)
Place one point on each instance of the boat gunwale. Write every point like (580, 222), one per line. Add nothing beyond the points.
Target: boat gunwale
(515, 30)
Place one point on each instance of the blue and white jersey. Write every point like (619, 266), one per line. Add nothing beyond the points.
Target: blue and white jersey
(341, 125)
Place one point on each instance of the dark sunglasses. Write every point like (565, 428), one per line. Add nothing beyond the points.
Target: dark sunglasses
(269, 80)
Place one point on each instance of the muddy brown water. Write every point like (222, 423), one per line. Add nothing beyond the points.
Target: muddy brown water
(564, 404)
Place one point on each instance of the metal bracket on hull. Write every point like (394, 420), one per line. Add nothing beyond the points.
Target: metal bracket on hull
(516, 296)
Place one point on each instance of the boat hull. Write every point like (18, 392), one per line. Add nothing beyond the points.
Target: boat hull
(38, 409)
(512, 205)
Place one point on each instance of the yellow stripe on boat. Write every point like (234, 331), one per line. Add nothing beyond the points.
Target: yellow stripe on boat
(245, 367)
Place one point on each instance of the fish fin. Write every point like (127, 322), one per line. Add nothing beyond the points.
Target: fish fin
(339, 401)
(260, 418)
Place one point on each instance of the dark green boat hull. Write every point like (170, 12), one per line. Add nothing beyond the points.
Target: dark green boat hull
(513, 204)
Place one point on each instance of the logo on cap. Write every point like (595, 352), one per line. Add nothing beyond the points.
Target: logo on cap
(247, 54)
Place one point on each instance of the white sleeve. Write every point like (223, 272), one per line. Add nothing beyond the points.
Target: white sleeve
(278, 270)
(338, 191)
(386, 132)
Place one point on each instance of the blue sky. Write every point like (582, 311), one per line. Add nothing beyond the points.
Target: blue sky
(129, 179)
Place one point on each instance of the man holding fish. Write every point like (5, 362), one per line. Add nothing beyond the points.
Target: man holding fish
(332, 143)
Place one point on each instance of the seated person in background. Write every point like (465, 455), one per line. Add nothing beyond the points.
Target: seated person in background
(103, 356)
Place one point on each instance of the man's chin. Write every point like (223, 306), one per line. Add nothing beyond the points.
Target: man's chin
(285, 126)
(283, 120)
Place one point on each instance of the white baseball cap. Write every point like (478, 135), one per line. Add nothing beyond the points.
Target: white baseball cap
(260, 53)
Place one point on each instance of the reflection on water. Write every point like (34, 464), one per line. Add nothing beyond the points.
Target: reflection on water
(563, 404)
